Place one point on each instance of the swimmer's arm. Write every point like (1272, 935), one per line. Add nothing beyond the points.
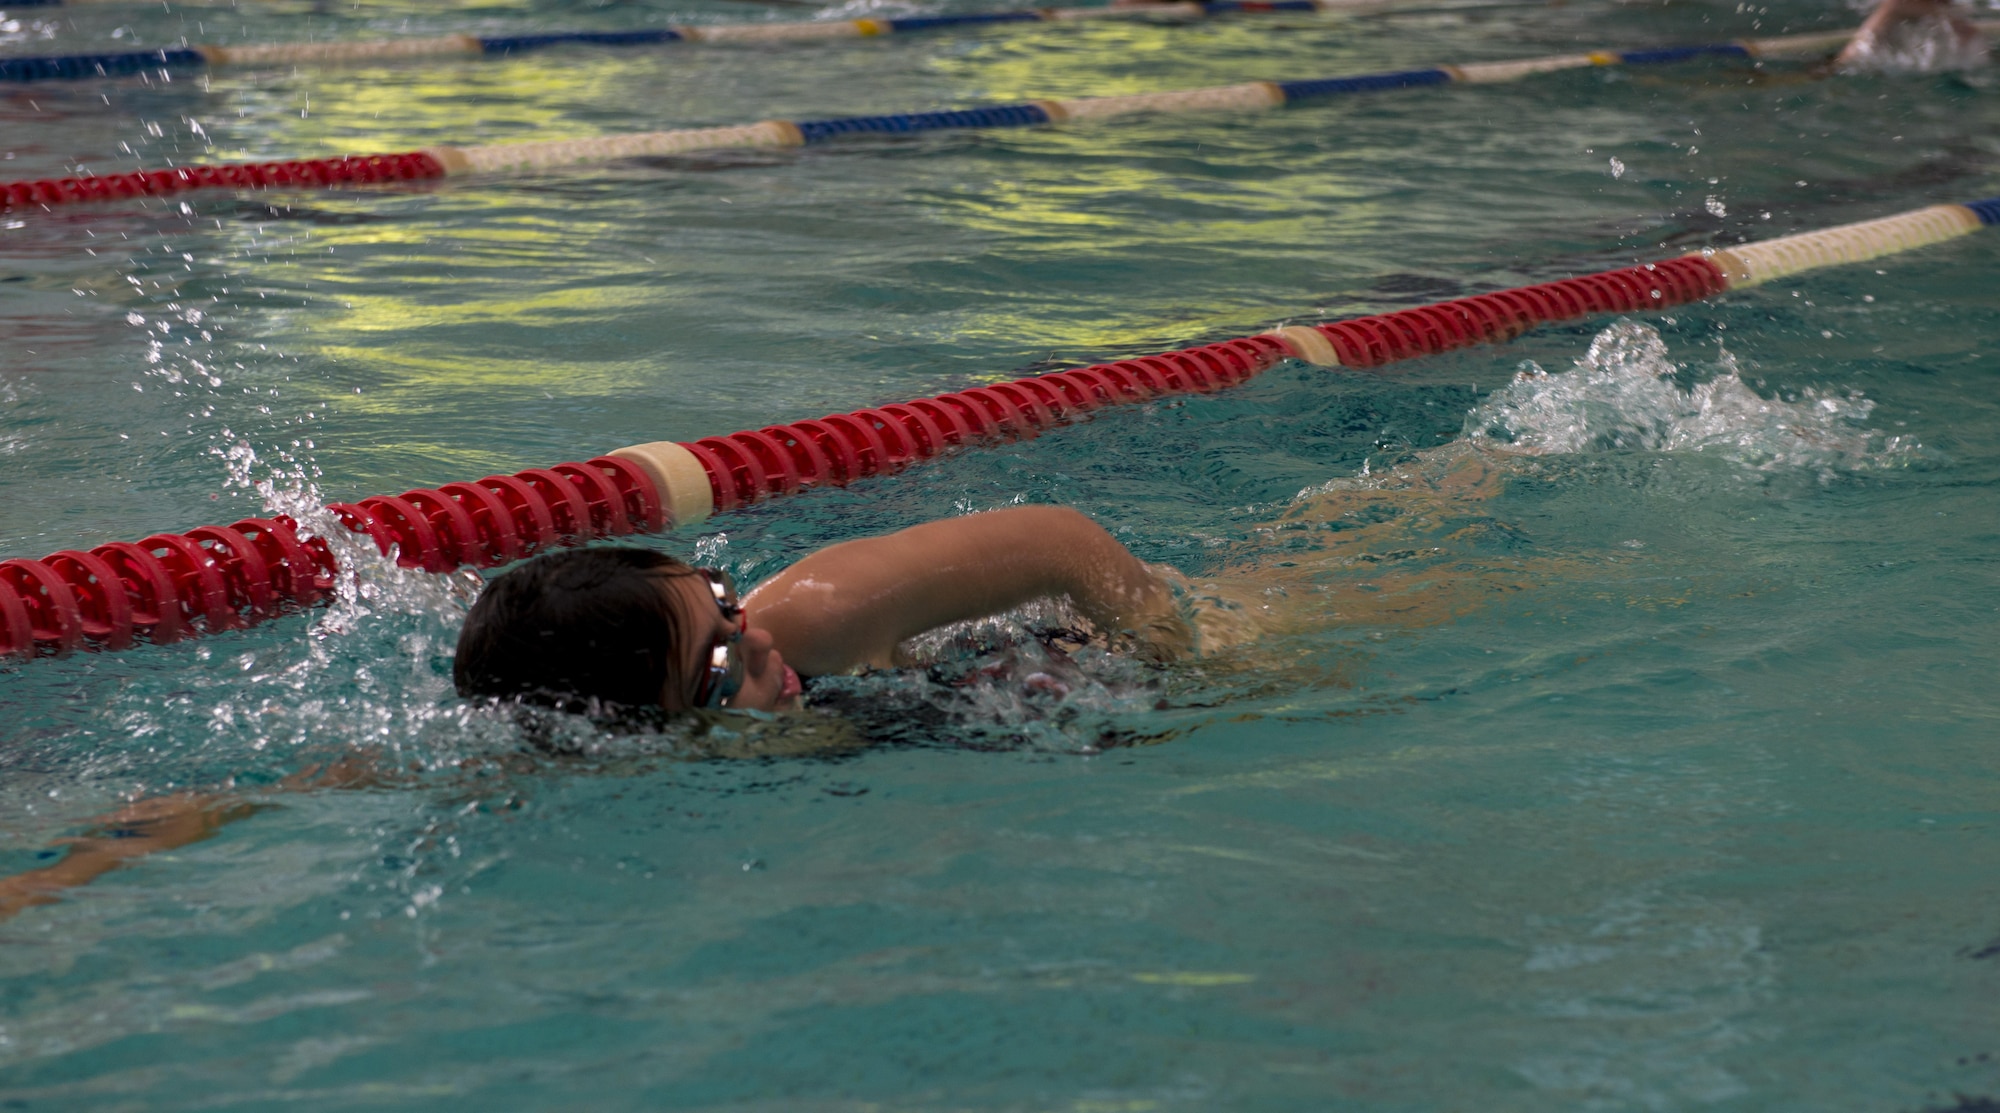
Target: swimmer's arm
(153, 824)
(134, 831)
(853, 603)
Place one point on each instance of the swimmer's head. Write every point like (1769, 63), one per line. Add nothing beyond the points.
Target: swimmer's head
(577, 626)
(603, 629)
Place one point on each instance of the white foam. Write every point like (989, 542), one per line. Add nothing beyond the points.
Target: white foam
(1622, 396)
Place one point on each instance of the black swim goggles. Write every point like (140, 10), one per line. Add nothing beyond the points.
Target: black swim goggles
(723, 675)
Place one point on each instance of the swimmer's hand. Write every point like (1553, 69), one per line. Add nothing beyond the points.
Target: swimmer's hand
(851, 604)
(1161, 639)
(1149, 623)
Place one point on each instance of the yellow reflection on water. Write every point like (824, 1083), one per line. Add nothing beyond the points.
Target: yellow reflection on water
(1200, 979)
(417, 297)
(397, 106)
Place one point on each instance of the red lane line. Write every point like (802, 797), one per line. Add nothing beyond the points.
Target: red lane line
(318, 173)
(170, 580)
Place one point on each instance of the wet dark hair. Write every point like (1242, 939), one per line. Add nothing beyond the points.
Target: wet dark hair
(575, 630)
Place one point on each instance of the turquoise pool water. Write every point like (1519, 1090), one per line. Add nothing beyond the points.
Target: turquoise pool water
(1662, 778)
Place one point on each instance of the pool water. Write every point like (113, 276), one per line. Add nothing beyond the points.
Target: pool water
(1653, 770)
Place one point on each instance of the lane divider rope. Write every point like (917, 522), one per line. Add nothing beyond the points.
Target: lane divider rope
(441, 162)
(170, 586)
(74, 67)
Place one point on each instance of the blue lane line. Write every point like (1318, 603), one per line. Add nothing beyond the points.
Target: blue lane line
(1365, 83)
(1988, 210)
(516, 44)
(1222, 7)
(71, 67)
(926, 22)
(1682, 53)
(1001, 116)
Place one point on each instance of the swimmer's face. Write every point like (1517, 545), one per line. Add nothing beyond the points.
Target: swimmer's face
(765, 678)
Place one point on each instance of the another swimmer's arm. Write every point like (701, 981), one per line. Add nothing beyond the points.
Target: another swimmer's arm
(851, 604)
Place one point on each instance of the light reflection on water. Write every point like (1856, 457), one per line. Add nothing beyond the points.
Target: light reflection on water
(1653, 776)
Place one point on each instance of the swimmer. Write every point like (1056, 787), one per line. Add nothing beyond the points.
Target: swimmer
(1943, 37)
(621, 628)
(609, 629)
(600, 630)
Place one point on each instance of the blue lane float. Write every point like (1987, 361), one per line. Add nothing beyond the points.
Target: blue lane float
(902, 123)
(1683, 53)
(78, 67)
(1296, 91)
(521, 44)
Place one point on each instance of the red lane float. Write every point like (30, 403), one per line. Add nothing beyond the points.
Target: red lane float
(745, 467)
(212, 578)
(782, 459)
(1501, 316)
(317, 172)
(171, 585)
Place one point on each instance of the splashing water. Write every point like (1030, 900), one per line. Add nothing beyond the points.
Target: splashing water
(367, 581)
(1019, 680)
(182, 356)
(1622, 396)
(355, 678)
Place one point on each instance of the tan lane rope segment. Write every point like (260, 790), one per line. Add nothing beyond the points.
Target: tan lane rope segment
(1797, 44)
(1250, 96)
(568, 152)
(1752, 264)
(678, 477)
(1479, 73)
(771, 32)
(282, 53)
(1309, 344)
